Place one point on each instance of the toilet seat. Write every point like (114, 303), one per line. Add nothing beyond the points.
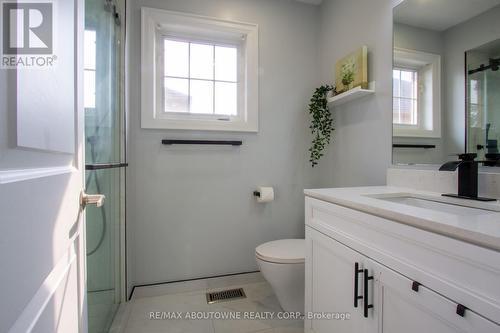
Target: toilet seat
(283, 251)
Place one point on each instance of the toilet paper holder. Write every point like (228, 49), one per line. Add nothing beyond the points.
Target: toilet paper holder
(264, 194)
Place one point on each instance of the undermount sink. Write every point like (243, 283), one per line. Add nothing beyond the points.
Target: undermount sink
(434, 204)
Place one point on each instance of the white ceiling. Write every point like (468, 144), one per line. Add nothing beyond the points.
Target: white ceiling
(311, 2)
(440, 15)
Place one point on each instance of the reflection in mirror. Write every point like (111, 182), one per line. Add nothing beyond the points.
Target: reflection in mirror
(431, 39)
(483, 101)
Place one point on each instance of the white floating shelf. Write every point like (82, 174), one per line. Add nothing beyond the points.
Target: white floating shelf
(350, 95)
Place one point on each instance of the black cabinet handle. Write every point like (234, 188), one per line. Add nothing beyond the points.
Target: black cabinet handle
(461, 310)
(356, 296)
(366, 306)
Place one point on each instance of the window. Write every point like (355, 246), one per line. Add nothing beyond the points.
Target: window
(89, 69)
(416, 94)
(200, 79)
(475, 103)
(405, 104)
(198, 73)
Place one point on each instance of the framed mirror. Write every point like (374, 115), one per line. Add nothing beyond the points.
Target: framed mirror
(446, 82)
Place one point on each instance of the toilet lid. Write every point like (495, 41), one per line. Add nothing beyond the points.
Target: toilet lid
(283, 251)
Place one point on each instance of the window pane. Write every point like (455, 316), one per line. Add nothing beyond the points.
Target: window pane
(202, 61)
(89, 56)
(176, 58)
(475, 116)
(405, 92)
(474, 92)
(406, 111)
(414, 113)
(395, 82)
(395, 111)
(176, 95)
(407, 84)
(89, 89)
(226, 98)
(202, 97)
(225, 63)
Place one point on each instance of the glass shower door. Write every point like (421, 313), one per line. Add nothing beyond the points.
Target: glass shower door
(104, 151)
(484, 113)
(483, 102)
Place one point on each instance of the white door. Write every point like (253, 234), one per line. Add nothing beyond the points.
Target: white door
(331, 287)
(42, 263)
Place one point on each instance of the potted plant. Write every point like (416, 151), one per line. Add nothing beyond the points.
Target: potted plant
(348, 74)
(321, 122)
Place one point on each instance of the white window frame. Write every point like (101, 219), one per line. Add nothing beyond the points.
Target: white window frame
(415, 91)
(429, 118)
(160, 24)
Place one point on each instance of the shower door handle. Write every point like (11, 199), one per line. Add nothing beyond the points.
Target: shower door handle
(91, 199)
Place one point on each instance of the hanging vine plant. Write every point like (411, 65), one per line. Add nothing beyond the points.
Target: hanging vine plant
(321, 123)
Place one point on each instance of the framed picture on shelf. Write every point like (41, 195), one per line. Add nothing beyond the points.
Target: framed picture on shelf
(352, 71)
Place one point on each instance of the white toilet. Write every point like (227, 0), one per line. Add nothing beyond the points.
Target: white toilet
(281, 262)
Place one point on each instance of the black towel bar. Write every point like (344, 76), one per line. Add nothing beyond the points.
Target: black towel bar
(202, 142)
(400, 145)
(101, 166)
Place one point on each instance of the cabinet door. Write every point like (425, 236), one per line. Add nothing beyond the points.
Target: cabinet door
(330, 287)
(409, 311)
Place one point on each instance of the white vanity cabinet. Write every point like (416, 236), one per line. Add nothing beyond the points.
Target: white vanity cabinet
(331, 286)
(402, 295)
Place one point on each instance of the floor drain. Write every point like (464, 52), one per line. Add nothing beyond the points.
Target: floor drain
(225, 295)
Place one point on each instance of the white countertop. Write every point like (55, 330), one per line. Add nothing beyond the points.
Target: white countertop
(481, 229)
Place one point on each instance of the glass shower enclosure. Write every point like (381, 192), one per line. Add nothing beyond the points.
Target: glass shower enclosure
(104, 156)
(483, 101)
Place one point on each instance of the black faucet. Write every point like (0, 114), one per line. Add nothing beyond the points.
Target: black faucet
(467, 177)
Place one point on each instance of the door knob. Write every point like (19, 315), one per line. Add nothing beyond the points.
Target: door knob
(91, 199)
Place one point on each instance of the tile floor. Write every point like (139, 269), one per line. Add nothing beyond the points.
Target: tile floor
(188, 297)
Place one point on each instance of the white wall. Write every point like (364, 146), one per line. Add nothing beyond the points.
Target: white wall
(361, 148)
(190, 209)
(418, 39)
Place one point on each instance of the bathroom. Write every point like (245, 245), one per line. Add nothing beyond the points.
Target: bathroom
(139, 200)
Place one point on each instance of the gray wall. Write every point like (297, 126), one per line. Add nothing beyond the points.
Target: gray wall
(361, 148)
(418, 39)
(190, 209)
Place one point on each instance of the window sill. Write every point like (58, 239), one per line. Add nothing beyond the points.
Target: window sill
(416, 133)
(201, 125)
